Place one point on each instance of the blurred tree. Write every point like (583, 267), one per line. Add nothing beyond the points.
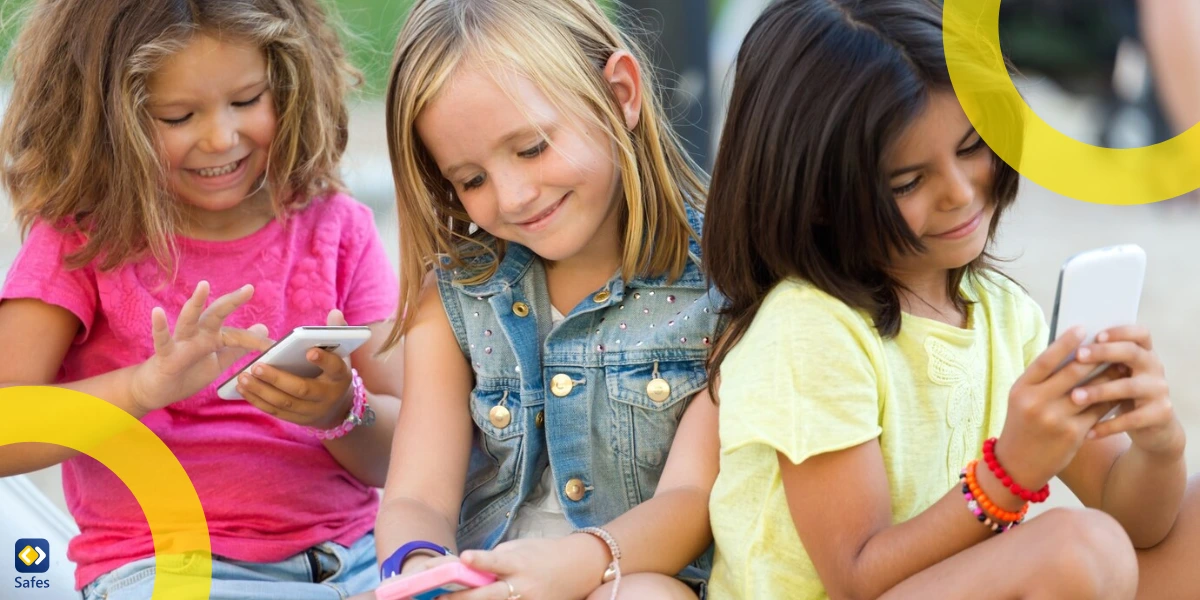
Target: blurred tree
(1078, 44)
(1072, 41)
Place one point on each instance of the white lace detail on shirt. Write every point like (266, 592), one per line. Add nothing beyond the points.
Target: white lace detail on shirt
(965, 372)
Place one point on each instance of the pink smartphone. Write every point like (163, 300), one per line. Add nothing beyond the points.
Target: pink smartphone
(438, 581)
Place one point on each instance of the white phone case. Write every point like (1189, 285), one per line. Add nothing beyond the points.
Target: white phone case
(288, 354)
(1098, 290)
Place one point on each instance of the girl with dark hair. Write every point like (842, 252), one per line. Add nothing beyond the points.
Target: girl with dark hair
(888, 404)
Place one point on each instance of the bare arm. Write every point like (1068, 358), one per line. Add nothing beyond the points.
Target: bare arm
(841, 503)
(1135, 470)
(365, 451)
(54, 328)
(432, 441)
(1169, 31)
(660, 535)
(183, 362)
(841, 506)
(668, 531)
(1142, 491)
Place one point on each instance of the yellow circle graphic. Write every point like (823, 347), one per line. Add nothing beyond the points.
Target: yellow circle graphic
(1063, 165)
(139, 458)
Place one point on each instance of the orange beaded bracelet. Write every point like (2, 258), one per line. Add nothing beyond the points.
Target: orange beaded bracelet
(986, 504)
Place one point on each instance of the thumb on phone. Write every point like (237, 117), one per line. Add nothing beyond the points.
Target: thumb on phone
(335, 318)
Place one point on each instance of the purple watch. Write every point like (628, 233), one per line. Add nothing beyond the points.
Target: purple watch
(391, 567)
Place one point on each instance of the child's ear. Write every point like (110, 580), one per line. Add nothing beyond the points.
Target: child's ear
(624, 74)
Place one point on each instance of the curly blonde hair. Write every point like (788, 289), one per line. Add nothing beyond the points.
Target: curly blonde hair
(78, 146)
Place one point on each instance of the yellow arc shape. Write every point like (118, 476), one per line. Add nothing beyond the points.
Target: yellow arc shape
(139, 458)
(1035, 149)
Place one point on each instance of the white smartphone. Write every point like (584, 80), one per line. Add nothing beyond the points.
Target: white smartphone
(1098, 290)
(288, 354)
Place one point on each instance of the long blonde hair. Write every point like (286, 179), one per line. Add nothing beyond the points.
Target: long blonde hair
(561, 46)
(78, 146)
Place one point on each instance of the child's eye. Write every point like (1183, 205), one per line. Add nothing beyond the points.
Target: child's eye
(250, 102)
(973, 148)
(534, 151)
(473, 183)
(906, 188)
(177, 122)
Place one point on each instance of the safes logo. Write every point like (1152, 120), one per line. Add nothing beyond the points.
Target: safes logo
(33, 555)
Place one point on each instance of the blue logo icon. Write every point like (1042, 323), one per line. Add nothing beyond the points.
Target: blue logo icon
(32, 555)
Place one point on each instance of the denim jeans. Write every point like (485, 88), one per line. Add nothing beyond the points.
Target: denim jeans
(327, 571)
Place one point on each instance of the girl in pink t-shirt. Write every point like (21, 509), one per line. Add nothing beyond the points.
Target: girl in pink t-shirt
(160, 155)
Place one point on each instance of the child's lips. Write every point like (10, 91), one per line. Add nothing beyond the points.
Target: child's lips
(221, 181)
(542, 218)
(964, 229)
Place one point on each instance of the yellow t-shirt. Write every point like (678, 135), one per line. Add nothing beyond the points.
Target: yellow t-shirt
(812, 375)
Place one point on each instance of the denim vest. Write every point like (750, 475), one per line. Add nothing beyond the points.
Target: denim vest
(599, 400)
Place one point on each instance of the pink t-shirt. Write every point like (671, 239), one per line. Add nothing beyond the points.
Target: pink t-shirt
(269, 489)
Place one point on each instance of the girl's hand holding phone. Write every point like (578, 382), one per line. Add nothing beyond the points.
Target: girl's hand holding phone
(421, 562)
(1145, 413)
(199, 350)
(538, 568)
(439, 577)
(322, 401)
(1045, 427)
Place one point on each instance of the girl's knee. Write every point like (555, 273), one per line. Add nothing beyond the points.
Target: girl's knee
(650, 586)
(1089, 554)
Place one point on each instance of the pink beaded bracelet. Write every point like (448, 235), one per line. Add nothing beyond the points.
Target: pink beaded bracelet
(360, 412)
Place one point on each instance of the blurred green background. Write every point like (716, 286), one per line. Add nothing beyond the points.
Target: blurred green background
(369, 30)
(1072, 42)
(675, 33)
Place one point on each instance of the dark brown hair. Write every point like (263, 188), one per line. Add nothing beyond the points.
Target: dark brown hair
(823, 88)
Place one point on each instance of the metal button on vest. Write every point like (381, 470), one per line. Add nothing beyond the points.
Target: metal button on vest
(520, 309)
(561, 385)
(540, 419)
(574, 490)
(500, 417)
(658, 389)
(601, 296)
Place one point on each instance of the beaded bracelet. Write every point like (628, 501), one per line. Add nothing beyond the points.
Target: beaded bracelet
(989, 457)
(988, 506)
(615, 566)
(360, 412)
(997, 527)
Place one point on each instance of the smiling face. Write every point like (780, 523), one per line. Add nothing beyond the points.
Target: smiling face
(215, 118)
(941, 174)
(524, 171)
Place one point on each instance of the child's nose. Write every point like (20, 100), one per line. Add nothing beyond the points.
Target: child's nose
(222, 135)
(960, 189)
(517, 194)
